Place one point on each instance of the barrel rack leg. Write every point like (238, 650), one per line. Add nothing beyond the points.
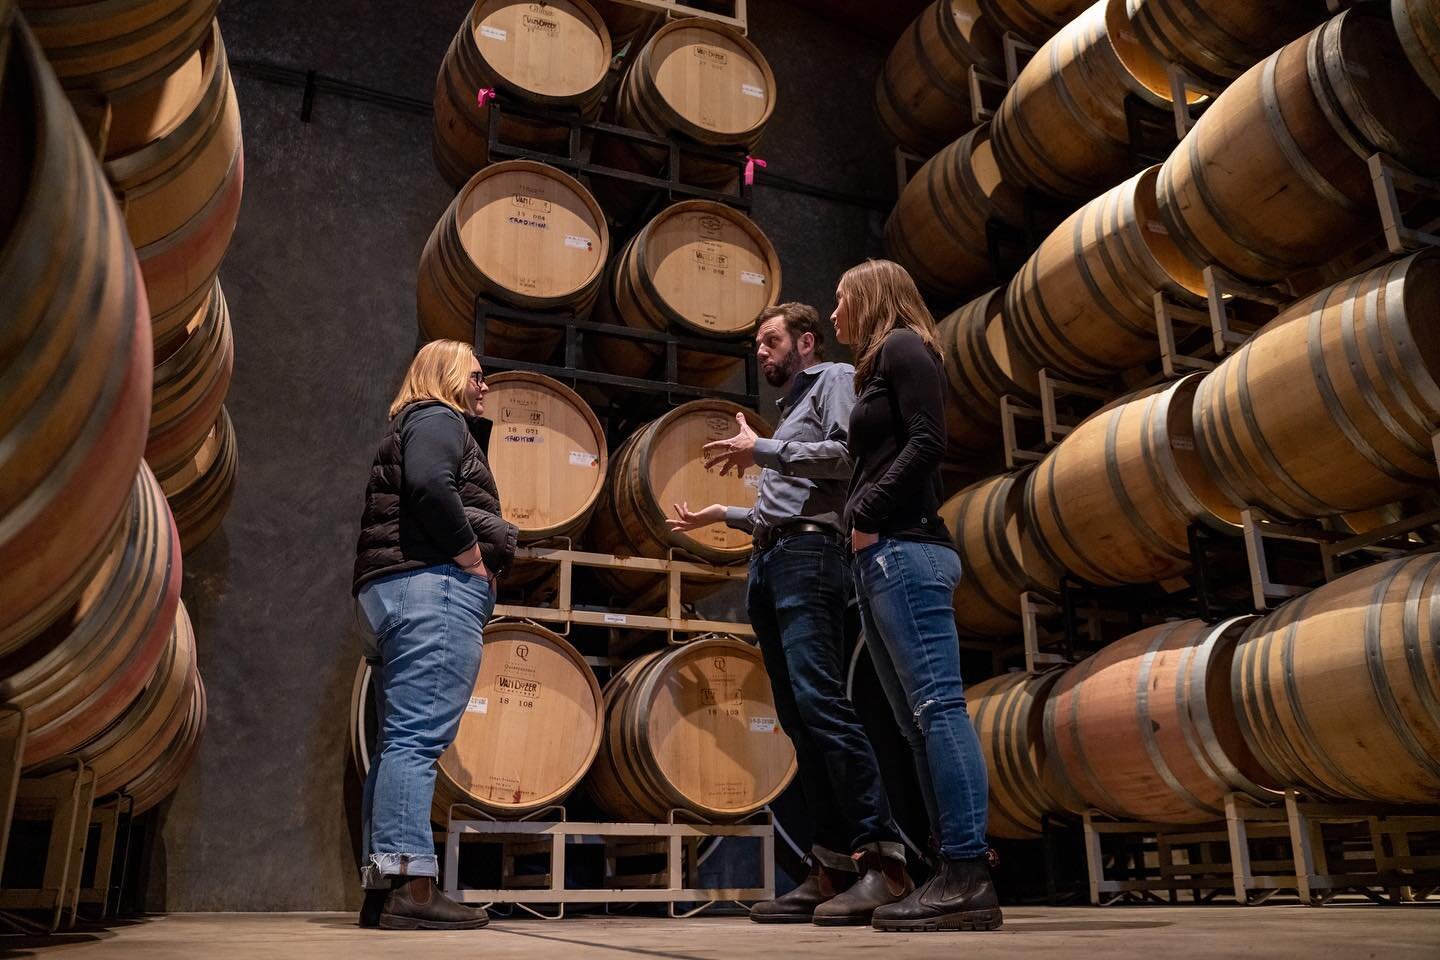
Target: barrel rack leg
(65, 799)
(13, 729)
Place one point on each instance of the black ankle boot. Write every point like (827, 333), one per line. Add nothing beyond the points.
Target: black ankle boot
(370, 909)
(798, 906)
(883, 880)
(959, 897)
(416, 903)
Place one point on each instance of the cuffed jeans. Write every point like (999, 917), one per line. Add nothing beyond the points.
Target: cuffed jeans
(427, 629)
(905, 589)
(796, 599)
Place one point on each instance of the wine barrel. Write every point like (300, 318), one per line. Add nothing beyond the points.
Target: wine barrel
(1331, 406)
(150, 726)
(1113, 502)
(531, 730)
(1214, 41)
(1417, 23)
(199, 491)
(547, 453)
(1062, 129)
(1337, 690)
(937, 230)
(985, 523)
(1034, 21)
(111, 46)
(160, 779)
(691, 727)
(1310, 115)
(981, 366)
(551, 56)
(181, 191)
(79, 675)
(520, 234)
(700, 82)
(662, 465)
(923, 91)
(190, 385)
(1146, 729)
(699, 269)
(1083, 304)
(1009, 716)
(75, 351)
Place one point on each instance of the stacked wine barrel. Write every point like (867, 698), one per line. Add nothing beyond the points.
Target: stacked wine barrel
(95, 645)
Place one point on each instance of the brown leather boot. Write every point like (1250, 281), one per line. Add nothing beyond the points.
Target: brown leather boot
(416, 903)
(798, 906)
(882, 880)
(960, 896)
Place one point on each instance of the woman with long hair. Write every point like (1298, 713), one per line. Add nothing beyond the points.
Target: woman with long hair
(432, 541)
(906, 570)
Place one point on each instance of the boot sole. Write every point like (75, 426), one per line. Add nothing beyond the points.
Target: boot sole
(780, 918)
(852, 921)
(412, 923)
(970, 920)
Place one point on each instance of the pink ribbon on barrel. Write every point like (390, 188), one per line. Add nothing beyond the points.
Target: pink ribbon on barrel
(750, 164)
(485, 95)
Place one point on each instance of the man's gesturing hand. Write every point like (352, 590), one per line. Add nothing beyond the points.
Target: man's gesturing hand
(737, 452)
(685, 520)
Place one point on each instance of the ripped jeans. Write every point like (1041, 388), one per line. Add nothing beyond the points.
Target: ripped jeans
(905, 589)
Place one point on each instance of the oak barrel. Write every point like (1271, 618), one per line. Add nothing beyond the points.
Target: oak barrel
(1033, 20)
(981, 366)
(1113, 502)
(199, 491)
(163, 776)
(190, 385)
(938, 229)
(923, 91)
(80, 674)
(553, 56)
(1009, 716)
(699, 269)
(691, 727)
(1338, 691)
(1310, 115)
(1331, 407)
(1084, 303)
(547, 453)
(75, 351)
(181, 190)
(1146, 729)
(532, 727)
(1417, 23)
(113, 46)
(520, 234)
(627, 23)
(1062, 129)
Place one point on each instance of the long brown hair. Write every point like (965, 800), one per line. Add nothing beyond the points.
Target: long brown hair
(881, 297)
(440, 372)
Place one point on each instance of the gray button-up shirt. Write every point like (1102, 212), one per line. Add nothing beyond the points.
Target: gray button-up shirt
(807, 462)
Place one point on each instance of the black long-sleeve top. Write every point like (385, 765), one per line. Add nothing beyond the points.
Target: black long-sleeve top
(897, 440)
(434, 448)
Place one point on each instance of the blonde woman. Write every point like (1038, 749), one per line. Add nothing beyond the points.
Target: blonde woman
(432, 540)
(905, 571)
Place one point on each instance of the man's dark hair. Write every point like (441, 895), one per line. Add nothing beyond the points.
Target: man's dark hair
(800, 318)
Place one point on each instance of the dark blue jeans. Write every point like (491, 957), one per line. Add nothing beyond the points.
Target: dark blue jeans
(905, 589)
(797, 595)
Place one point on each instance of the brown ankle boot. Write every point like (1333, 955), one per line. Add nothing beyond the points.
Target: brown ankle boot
(961, 896)
(798, 906)
(882, 880)
(416, 903)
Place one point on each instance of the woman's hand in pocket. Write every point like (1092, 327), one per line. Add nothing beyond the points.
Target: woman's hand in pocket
(860, 540)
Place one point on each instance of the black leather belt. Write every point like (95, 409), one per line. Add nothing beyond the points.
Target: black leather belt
(767, 537)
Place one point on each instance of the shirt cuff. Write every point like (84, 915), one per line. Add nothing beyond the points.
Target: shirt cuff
(767, 453)
(737, 517)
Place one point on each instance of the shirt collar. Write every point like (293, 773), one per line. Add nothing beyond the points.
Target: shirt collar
(802, 383)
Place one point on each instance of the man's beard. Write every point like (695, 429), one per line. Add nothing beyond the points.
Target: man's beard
(779, 374)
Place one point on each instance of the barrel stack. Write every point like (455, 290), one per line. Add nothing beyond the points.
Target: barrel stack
(1326, 413)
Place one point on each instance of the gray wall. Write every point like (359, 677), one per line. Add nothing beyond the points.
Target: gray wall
(320, 281)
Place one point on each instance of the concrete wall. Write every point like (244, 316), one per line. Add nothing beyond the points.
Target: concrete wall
(320, 280)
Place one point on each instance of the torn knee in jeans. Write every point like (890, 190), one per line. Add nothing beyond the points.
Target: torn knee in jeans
(927, 709)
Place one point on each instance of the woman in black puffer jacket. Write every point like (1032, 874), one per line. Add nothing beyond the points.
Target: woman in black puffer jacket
(432, 541)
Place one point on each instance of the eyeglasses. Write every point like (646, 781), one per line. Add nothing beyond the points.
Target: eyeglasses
(477, 378)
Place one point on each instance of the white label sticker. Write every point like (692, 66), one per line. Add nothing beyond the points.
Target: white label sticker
(579, 458)
(762, 724)
(756, 278)
(1182, 443)
(752, 480)
(615, 618)
(478, 705)
(494, 33)
(579, 243)
(750, 90)
(1155, 226)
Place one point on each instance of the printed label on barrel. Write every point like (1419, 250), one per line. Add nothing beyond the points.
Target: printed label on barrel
(530, 212)
(758, 279)
(579, 458)
(578, 243)
(709, 260)
(750, 90)
(710, 56)
(540, 25)
(762, 724)
(1182, 443)
(515, 412)
(493, 33)
(517, 691)
(478, 705)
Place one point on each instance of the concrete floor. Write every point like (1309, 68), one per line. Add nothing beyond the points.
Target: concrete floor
(1169, 933)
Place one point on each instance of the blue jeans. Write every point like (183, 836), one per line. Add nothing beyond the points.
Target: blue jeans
(905, 589)
(796, 599)
(427, 632)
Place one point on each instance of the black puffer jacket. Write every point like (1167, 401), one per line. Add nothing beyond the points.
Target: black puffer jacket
(412, 518)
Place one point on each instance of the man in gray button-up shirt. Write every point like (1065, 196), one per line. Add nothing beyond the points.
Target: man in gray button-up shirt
(798, 590)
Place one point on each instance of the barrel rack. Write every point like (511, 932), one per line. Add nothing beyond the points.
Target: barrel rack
(731, 12)
(678, 839)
